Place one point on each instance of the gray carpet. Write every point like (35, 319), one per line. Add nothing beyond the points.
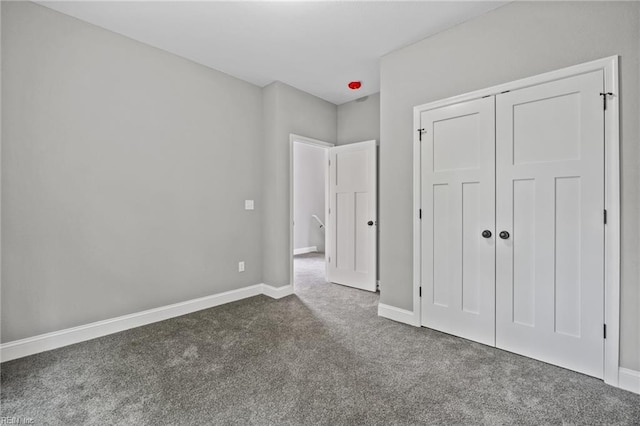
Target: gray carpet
(321, 356)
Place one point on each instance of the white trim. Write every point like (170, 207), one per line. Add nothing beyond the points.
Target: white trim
(397, 314)
(293, 138)
(609, 63)
(305, 250)
(277, 292)
(310, 141)
(57, 339)
(612, 229)
(629, 380)
(612, 193)
(417, 223)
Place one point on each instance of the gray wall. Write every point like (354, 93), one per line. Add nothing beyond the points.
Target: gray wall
(515, 41)
(117, 166)
(309, 182)
(286, 110)
(359, 120)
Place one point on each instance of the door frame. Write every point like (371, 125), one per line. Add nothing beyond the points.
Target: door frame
(609, 66)
(293, 138)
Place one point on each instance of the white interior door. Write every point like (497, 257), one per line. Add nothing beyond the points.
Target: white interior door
(550, 199)
(458, 189)
(352, 215)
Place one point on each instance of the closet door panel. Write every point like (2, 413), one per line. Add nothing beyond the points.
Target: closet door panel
(550, 199)
(458, 193)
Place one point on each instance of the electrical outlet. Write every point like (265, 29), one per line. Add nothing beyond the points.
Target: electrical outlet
(248, 204)
(241, 266)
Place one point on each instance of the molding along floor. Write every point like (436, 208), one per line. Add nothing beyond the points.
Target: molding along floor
(57, 339)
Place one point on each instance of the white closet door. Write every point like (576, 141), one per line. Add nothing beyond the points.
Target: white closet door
(550, 199)
(352, 215)
(458, 281)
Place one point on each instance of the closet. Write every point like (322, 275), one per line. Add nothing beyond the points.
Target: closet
(512, 218)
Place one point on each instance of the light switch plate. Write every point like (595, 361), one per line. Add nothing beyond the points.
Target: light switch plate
(241, 266)
(248, 204)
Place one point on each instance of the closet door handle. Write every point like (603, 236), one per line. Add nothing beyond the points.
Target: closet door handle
(504, 235)
(486, 234)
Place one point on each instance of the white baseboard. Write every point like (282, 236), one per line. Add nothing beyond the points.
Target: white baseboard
(629, 380)
(277, 292)
(304, 250)
(397, 314)
(57, 339)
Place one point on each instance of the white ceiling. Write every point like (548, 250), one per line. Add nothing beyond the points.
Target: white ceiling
(317, 47)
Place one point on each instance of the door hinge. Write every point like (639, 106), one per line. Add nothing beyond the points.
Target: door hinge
(420, 214)
(420, 291)
(329, 163)
(605, 216)
(604, 99)
(604, 330)
(329, 210)
(420, 132)
(329, 259)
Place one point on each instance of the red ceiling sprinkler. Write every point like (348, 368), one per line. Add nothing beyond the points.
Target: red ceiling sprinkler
(354, 85)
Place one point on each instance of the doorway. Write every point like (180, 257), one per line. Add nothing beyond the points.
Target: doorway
(309, 211)
(333, 210)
